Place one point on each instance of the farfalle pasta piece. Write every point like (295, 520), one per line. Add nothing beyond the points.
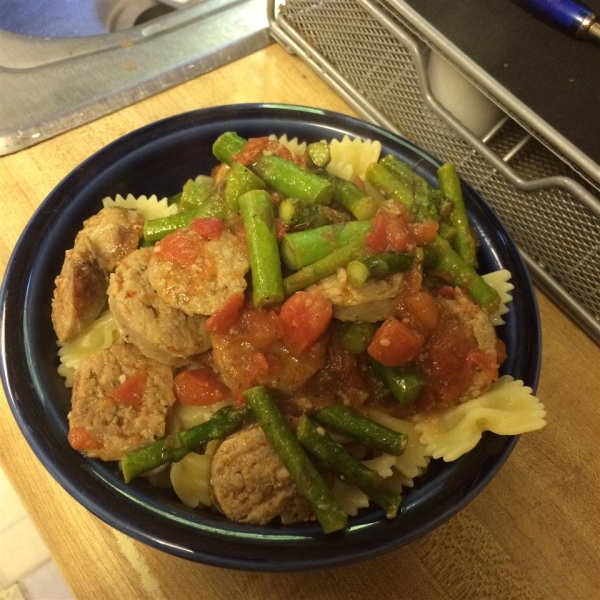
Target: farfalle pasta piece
(190, 477)
(151, 208)
(350, 498)
(414, 460)
(509, 408)
(101, 334)
(382, 465)
(500, 281)
(292, 145)
(357, 153)
(184, 416)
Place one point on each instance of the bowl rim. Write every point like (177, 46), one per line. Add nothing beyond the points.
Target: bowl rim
(233, 542)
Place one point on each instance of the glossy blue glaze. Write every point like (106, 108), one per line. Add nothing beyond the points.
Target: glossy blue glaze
(159, 158)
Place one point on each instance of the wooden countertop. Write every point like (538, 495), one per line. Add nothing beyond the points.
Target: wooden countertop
(534, 532)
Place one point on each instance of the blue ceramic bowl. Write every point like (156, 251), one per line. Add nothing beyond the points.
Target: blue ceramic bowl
(158, 159)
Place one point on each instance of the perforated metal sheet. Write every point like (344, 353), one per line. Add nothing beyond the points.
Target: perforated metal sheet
(557, 231)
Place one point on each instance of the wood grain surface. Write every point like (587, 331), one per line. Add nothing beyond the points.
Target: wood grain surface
(532, 533)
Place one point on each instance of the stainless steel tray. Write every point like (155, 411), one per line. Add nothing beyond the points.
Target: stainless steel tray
(377, 55)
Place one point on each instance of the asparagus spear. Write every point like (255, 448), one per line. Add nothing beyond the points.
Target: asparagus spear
(281, 175)
(464, 242)
(239, 181)
(389, 185)
(371, 434)
(226, 145)
(333, 456)
(353, 199)
(309, 482)
(175, 446)
(319, 154)
(257, 214)
(157, 229)
(195, 194)
(306, 215)
(302, 248)
(291, 180)
(444, 262)
(398, 168)
(326, 266)
(358, 336)
(378, 266)
(404, 383)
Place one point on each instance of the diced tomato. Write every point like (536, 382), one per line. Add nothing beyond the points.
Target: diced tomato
(80, 439)
(395, 344)
(448, 348)
(393, 232)
(305, 317)
(255, 147)
(390, 232)
(178, 247)
(209, 228)
(422, 308)
(131, 391)
(424, 233)
(482, 361)
(376, 238)
(199, 387)
(226, 315)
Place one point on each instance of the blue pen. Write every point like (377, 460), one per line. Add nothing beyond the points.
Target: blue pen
(572, 17)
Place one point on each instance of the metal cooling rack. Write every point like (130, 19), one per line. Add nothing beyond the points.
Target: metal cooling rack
(377, 60)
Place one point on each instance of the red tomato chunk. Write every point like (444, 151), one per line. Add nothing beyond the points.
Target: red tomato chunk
(131, 391)
(305, 317)
(395, 344)
(209, 228)
(199, 387)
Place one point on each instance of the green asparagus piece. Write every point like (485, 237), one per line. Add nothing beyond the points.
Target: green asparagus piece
(291, 180)
(353, 199)
(283, 176)
(175, 199)
(309, 482)
(175, 446)
(333, 456)
(195, 194)
(464, 242)
(319, 154)
(398, 168)
(371, 434)
(214, 205)
(303, 248)
(445, 263)
(226, 145)
(326, 266)
(358, 336)
(156, 229)
(300, 214)
(239, 181)
(377, 267)
(385, 182)
(426, 201)
(404, 383)
(257, 214)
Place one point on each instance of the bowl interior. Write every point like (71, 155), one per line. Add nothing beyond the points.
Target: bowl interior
(158, 159)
